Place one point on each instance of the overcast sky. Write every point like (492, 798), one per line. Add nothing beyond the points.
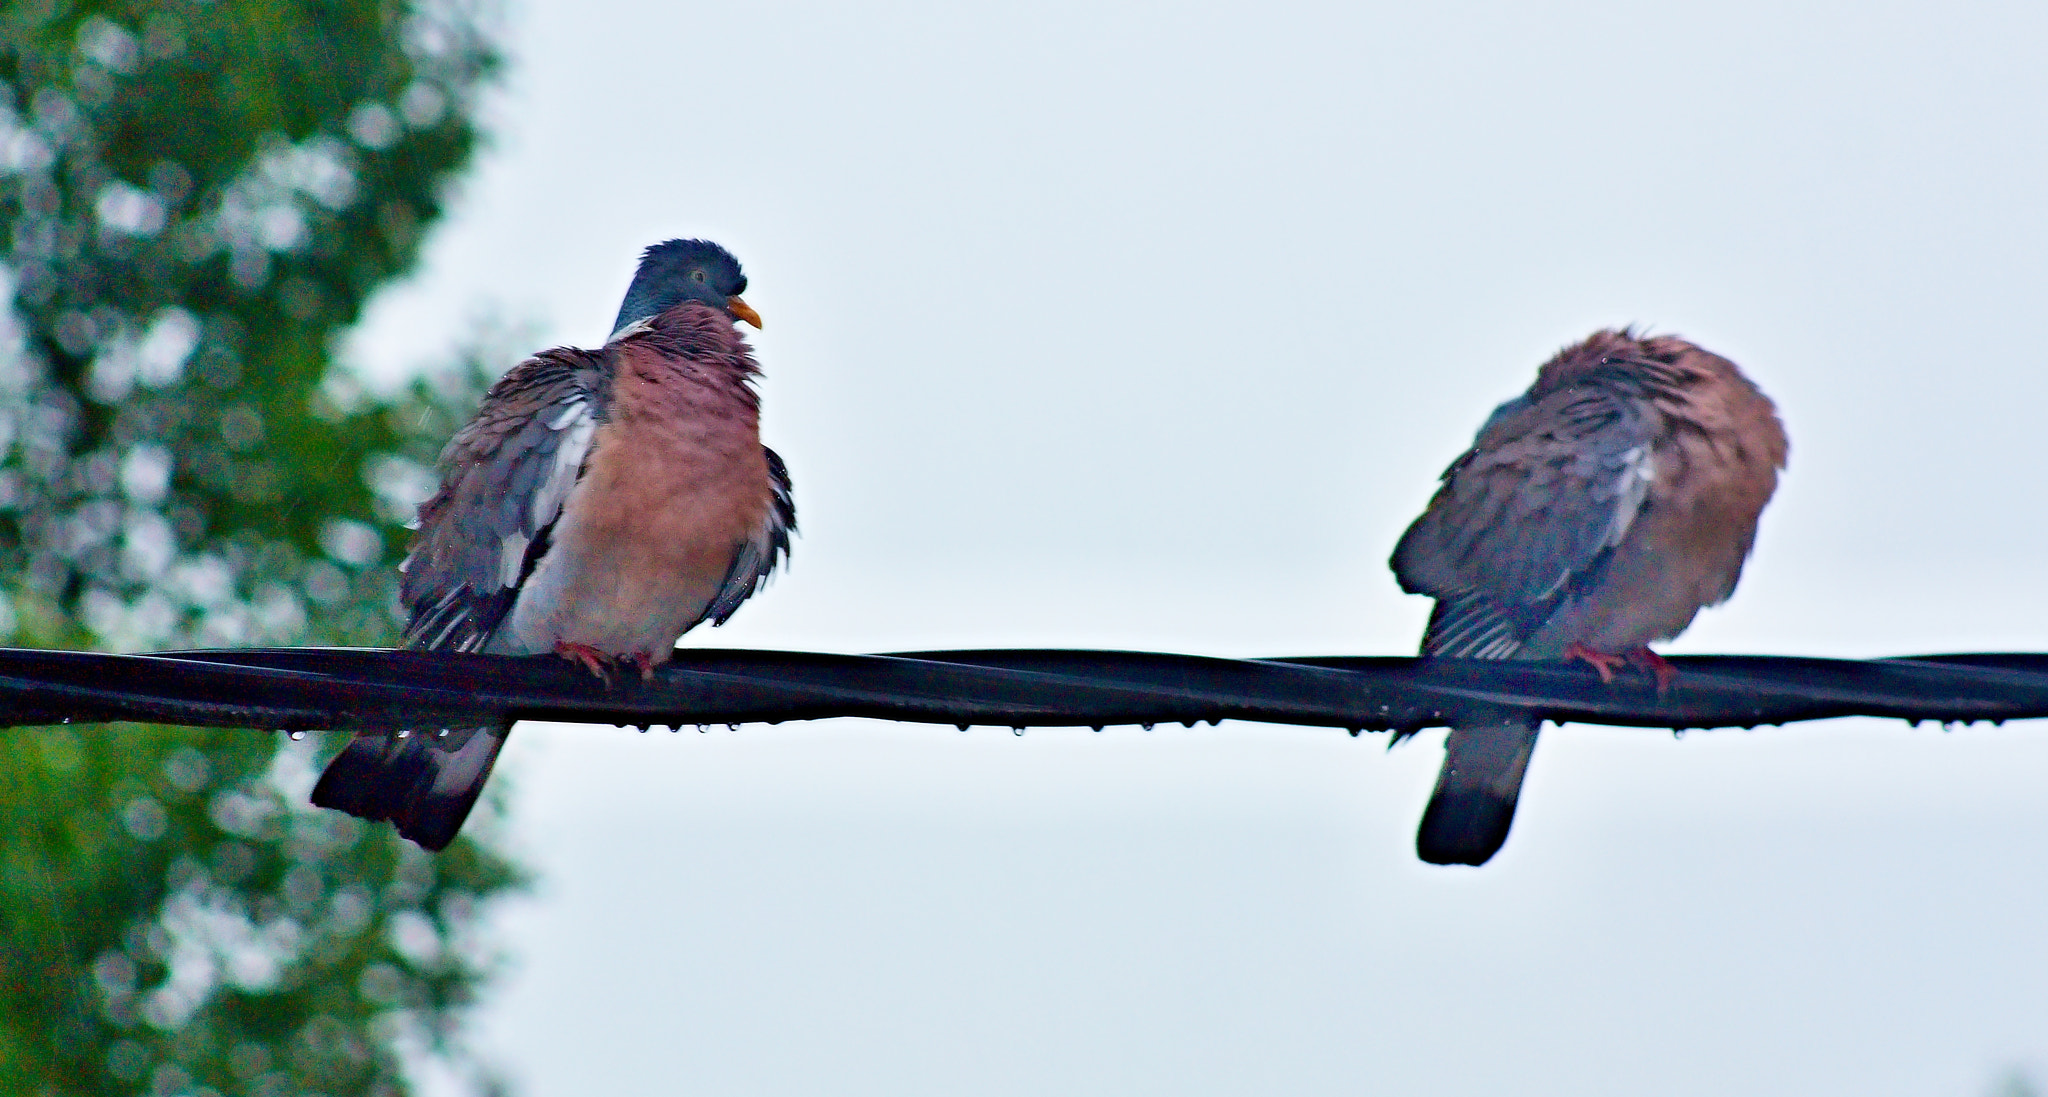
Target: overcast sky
(1151, 326)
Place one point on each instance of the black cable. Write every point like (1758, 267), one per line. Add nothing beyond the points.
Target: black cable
(312, 688)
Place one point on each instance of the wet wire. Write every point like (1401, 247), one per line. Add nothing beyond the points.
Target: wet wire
(299, 689)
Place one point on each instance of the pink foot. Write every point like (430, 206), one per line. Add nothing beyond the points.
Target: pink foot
(593, 660)
(645, 662)
(1656, 664)
(1600, 661)
(1606, 663)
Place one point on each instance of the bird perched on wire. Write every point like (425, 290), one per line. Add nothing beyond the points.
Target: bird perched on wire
(600, 504)
(1595, 513)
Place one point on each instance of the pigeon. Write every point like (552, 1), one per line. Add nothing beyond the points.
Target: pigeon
(600, 504)
(1594, 514)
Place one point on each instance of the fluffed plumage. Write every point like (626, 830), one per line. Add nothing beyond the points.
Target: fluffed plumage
(600, 504)
(1594, 514)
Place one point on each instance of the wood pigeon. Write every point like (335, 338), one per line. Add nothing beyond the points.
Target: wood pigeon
(600, 504)
(1595, 513)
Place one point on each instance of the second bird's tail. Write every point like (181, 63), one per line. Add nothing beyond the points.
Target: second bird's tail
(423, 782)
(1474, 803)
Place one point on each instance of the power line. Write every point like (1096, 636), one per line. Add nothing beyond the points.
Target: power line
(349, 688)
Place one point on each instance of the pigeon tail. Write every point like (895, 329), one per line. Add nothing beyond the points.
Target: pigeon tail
(423, 783)
(1474, 803)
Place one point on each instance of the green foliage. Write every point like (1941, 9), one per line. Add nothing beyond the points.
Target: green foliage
(2016, 1084)
(176, 918)
(200, 195)
(196, 197)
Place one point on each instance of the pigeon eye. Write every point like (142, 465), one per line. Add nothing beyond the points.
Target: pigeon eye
(696, 276)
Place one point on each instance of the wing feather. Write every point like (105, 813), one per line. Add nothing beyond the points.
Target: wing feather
(759, 554)
(1527, 515)
(506, 475)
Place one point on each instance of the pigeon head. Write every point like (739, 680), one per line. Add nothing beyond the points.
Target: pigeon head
(676, 271)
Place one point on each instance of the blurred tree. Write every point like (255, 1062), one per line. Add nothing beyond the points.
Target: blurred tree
(2016, 1084)
(197, 196)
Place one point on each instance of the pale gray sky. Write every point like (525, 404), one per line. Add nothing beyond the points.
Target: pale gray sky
(1151, 325)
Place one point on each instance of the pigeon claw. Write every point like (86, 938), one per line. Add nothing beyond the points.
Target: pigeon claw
(1602, 662)
(645, 661)
(1606, 663)
(1656, 664)
(593, 660)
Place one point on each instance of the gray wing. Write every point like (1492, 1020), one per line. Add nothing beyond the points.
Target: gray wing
(769, 546)
(1527, 516)
(505, 476)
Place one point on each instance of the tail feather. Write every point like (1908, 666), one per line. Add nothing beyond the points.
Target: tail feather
(1474, 803)
(423, 783)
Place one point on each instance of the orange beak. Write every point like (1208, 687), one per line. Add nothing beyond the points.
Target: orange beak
(742, 311)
